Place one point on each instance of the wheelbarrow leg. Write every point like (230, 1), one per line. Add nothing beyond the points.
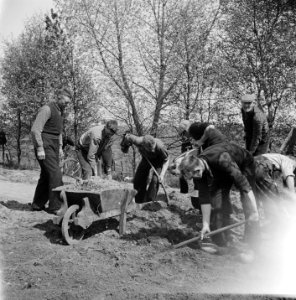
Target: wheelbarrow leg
(123, 210)
(61, 212)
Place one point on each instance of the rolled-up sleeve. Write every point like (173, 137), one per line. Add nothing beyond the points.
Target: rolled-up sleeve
(287, 168)
(43, 115)
(93, 148)
(163, 154)
(136, 140)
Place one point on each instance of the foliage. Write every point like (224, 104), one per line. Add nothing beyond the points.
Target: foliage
(136, 49)
(34, 66)
(258, 45)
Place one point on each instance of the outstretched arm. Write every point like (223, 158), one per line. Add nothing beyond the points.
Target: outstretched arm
(206, 216)
(164, 169)
(241, 182)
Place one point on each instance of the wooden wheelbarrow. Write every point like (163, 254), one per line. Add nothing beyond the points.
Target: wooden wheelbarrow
(81, 208)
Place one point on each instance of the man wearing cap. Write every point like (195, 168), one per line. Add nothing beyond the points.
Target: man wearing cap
(47, 139)
(153, 153)
(218, 168)
(255, 126)
(92, 145)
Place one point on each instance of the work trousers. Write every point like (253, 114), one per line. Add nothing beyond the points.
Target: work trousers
(141, 181)
(184, 188)
(217, 193)
(50, 175)
(219, 197)
(87, 172)
(107, 160)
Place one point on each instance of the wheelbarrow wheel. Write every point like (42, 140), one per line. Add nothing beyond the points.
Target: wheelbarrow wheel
(72, 233)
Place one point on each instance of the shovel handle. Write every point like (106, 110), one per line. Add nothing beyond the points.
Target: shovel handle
(209, 234)
(159, 179)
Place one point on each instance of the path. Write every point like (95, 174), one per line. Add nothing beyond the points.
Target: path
(21, 192)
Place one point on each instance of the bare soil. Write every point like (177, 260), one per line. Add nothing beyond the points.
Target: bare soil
(36, 263)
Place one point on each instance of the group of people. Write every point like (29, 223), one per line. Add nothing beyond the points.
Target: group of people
(214, 163)
(217, 164)
(94, 145)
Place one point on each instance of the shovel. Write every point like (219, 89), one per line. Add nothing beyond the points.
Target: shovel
(209, 234)
(160, 181)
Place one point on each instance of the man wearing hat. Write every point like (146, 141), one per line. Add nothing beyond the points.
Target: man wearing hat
(255, 126)
(154, 153)
(92, 145)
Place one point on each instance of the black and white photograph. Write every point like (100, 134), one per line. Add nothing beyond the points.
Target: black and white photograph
(147, 149)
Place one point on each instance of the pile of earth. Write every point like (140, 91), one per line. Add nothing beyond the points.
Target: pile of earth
(36, 263)
(97, 185)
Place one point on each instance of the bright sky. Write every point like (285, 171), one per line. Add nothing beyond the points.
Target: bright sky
(14, 13)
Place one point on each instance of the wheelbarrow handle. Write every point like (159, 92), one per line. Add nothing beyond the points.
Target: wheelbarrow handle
(209, 234)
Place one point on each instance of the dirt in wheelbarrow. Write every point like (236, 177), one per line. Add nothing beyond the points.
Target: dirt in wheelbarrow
(36, 263)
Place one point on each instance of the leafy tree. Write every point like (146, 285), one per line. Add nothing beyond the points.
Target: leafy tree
(133, 47)
(36, 64)
(258, 44)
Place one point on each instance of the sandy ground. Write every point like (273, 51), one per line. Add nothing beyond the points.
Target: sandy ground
(36, 263)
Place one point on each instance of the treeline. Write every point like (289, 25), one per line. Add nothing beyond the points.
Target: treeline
(151, 63)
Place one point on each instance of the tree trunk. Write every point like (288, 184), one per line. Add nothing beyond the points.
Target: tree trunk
(18, 139)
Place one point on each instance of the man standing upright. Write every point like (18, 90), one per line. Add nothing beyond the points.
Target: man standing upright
(255, 126)
(47, 139)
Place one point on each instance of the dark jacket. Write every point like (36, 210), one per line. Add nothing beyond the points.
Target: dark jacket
(54, 124)
(213, 136)
(256, 131)
(230, 163)
(159, 156)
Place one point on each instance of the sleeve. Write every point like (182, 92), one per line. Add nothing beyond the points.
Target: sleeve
(256, 134)
(61, 141)
(244, 121)
(163, 153)
(287, 168)
(208, 131)
(231, 168)
(136, 140)
(38, 125)
(93, 148)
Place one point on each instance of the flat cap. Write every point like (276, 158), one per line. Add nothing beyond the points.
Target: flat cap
(248, 98)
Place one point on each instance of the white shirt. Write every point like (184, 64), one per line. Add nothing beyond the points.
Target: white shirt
(283, 163)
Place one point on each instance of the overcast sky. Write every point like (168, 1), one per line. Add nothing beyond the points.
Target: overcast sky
(14, 13)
